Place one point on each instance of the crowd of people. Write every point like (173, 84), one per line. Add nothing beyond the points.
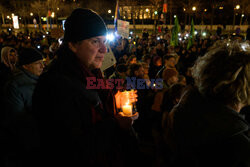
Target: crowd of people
(194, 119)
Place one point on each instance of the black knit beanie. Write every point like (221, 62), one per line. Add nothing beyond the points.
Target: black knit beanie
(29, 55)
(83, 24)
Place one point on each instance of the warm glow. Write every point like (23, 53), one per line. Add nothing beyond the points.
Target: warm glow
(127, 109)
(147, 10)
(242, 15)
(193, 8)
(8, 17)
(205, 10)
(31, 14)
(221, 7)
(53, 14)
(58, 8)
(237, 7)
(109, 11)
(184, 9)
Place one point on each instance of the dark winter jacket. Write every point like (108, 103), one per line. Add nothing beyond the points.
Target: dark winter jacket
(204, 133)
(76, 125)
(18, 92)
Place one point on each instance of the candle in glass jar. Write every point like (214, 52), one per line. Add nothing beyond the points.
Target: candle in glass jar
(127, 109)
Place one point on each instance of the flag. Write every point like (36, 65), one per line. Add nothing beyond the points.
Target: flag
(175, 31)
(165, 7)
(117, 14)
(191, 35)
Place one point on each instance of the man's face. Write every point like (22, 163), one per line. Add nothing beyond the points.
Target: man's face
(133, 61)
(12, 57)
(170, 62)
(35, 68)
(90, 51)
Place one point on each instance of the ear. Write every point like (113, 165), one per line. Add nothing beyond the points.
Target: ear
(72, 47)
(26, 67)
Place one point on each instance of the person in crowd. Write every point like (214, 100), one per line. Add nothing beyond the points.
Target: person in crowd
(120, 72)
(155, 66)
(18, 123)
(169, 63)
(145, 76)
(136, 70)
(132, 60)
(169, 77)
(182, 80)
(146, 59)
(8, 64)
(80, 126)
(19, 89)
(205, 127)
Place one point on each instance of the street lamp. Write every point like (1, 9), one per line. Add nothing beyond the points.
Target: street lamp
(31, 14)
(193, 8)
(109, 11)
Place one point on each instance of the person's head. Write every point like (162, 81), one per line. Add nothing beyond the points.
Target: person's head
(145, 67)
(146, 59)
(223, 74)
(132, 60)
(9, 57)
(169, 61)
(85, 34)
(136, 70)
(31, 60)
(122, 69)
(157, 61)
(182, 80)
(170, 76)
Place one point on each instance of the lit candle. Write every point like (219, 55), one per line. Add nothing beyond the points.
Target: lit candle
(127, 109)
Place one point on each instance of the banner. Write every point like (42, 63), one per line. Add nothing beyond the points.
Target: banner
(15, 22)
(123, 28)
(109, 59)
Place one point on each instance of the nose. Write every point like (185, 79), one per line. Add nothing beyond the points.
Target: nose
(103, 48)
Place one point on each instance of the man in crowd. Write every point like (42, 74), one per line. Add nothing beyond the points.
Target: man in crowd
(19, 90)
(17, 99)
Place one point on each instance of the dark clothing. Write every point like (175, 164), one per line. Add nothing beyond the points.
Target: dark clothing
(19, 126)
(18, 92)
(153, 70)
(204, 133)
(77, 125)
(5, 74)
